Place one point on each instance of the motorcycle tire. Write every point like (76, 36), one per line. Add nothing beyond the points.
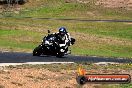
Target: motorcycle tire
(37, 51)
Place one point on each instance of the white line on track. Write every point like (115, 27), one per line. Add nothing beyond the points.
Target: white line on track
(34, 63)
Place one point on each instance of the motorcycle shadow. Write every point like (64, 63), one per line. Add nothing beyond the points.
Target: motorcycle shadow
(51, 56)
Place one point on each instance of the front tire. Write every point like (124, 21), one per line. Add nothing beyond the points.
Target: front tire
(37, 51)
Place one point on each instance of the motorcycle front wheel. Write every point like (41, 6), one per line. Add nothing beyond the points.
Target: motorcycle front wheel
(37, 51)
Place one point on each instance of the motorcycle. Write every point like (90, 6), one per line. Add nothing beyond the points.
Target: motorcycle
(50, 46)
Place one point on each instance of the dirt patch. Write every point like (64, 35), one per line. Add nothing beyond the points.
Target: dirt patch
(44, 78)
(35, 78)
(115, 3)
(129, 23)
(109, 3)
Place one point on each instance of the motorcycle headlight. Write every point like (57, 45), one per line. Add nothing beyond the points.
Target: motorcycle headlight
(47, 42)
(51, 39)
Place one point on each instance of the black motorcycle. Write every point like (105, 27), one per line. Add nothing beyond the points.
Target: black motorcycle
(50, 46)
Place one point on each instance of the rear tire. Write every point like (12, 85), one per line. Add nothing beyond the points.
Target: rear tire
(37, 51)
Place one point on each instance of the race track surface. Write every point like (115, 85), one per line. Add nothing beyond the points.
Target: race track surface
(18, 57)
(68, 19)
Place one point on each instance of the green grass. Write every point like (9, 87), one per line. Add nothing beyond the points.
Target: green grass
(93, 39)
(14, 44)
(17, 39)
(60, 9)
(119, 30)
(126, 85)
(18, 33)
(104, 50)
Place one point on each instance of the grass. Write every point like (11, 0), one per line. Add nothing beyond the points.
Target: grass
(119, 30)
(17, 38)
(61, 9)
(126, 86)
(107, 52)
(54, 9)
(100, 39)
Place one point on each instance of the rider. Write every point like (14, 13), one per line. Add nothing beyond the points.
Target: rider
(64, 38)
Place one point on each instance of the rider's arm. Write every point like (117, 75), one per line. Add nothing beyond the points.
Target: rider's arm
(69, 39)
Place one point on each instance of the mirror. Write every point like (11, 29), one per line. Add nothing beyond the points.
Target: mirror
(48, 31)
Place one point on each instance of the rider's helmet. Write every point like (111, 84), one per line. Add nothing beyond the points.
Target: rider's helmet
(62, 31)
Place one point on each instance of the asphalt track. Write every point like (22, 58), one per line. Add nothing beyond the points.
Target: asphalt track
(68, 19)
(19, 57)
